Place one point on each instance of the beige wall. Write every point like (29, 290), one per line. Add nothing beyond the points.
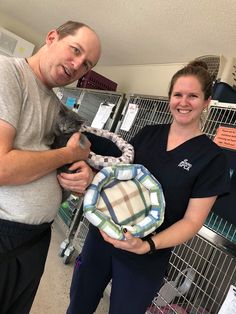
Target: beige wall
(150, 79)
(19, 29)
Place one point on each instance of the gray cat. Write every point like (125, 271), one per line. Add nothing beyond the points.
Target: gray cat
(67, 123)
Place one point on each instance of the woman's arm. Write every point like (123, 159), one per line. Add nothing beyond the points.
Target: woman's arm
(181, 231)
(184, 229)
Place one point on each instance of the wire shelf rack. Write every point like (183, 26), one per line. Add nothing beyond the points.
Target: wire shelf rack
(214, 270)
(202, 269)
(220, 114)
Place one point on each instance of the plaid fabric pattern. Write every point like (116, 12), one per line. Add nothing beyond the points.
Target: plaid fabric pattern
(126, 202)
(125, 196)
(99, 161)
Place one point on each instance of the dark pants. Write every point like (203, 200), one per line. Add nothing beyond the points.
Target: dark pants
(23, 252)
(135, 278)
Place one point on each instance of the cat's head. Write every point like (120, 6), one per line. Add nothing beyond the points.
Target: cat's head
(67, 121)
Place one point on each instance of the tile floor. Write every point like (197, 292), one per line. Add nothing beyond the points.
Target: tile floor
(53, 293)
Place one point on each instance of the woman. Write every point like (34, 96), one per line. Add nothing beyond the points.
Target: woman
(193, 172)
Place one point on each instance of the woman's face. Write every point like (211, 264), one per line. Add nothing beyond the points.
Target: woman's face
(187, 100)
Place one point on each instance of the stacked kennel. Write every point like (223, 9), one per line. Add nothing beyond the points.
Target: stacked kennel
(201, 270)
(91, 105)
(151, 110)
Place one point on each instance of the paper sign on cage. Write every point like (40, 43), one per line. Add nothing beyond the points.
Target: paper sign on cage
(226, 137)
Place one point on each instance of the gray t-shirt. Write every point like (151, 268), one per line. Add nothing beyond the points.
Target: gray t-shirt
(30, 108)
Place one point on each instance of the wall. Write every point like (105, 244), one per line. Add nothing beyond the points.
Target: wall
(150, 79)
(23, 31)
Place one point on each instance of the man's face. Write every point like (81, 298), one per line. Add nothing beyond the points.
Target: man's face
(68, 59)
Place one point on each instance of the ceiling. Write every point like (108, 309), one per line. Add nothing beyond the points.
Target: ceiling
(135, 32)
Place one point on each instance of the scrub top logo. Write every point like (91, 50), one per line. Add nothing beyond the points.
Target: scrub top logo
(185, 165)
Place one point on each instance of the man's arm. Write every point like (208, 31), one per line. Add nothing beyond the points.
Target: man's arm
(21, 167)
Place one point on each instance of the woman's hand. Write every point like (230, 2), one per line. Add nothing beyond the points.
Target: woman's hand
(131, 244)
(77, 182)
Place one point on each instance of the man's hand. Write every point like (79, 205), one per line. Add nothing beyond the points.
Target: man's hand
(78, 181)
(80, 152)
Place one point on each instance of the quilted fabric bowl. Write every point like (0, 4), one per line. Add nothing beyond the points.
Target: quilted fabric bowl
(98, 161)
(125, 196)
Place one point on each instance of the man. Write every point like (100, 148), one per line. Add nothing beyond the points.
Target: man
(30, 194)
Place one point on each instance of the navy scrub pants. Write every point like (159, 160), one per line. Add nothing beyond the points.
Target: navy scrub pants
(23, 252)
(135, 278)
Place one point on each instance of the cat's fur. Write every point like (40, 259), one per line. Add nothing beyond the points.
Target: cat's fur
(67, 123)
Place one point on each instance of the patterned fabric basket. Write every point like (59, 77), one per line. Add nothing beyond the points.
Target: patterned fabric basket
(125, 196)
(99, 161)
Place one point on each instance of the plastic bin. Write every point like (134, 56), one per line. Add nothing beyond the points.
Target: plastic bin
(95, 80)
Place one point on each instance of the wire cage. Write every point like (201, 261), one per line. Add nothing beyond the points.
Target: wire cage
(198, 279)
(200, 271)
(81, 233)
(151, 110)
(156, 111)
(87, 103)
(214, 64)
(68, 209)
(222, 114)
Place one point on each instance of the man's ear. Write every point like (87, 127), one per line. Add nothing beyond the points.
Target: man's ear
(51, 37)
